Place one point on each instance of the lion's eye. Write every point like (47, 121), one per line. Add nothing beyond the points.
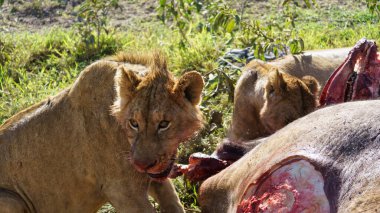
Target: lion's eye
(163, 125)
(133, 124)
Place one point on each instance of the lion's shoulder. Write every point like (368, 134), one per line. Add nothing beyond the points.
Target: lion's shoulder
(33, 111)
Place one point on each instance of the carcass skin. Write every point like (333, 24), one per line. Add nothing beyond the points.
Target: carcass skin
(317, 63)
(340, 143)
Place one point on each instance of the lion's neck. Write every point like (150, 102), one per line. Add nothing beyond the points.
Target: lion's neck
(246, 124)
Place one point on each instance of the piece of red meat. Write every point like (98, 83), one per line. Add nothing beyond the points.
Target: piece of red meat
(201, 166)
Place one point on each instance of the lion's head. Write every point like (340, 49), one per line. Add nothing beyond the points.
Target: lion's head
(266, 99)
(157, 112)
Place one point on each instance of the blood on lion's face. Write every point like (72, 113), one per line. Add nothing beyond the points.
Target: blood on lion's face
(157, 113)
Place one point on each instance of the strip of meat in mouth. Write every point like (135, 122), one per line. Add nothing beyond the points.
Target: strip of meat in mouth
(162, 175)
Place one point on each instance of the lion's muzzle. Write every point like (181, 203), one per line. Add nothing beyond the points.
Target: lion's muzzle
(155, 169)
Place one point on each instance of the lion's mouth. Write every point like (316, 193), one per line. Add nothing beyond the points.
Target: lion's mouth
(162, 175)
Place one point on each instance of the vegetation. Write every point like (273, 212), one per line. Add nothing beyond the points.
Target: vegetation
(218, 18)
(373, 6)
(35, 65)
(93, 21)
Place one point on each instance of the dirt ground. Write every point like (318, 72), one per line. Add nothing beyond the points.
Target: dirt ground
(34, 15)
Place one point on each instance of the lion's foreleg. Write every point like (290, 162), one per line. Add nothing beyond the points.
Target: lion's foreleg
(129, 199)
(164, 193)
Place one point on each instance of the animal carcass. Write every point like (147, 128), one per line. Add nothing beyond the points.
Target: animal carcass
(327, 161)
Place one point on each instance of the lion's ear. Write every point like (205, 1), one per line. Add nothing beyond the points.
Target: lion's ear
(277, 80)
(312, 83)
(190, 86)
(126, 82)
(309, 88)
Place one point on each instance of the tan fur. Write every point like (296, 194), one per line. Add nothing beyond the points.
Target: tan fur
(317, 63)
(266, 99)
(69, 154)
(150, 100)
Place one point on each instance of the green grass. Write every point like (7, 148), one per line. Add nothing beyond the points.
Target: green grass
(34, 66)
(34, 69)
(322, 37)
(337, 27)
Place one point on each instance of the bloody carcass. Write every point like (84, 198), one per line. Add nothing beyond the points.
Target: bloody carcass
(358, 78)
(327, 161)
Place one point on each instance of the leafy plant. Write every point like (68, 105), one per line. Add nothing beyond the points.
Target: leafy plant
(308, 3)
(188, 14)
(187, 192)
(219, 19)
(93, 20)
(5, 52)
(374, 6)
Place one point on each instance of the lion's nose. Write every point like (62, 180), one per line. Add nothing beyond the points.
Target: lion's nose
(143, 165)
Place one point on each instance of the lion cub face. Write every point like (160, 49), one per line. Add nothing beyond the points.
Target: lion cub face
(287, 98)
(158, 112)
(267, 99)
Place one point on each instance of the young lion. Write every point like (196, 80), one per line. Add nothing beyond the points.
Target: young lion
(266, 99)
(69, 154)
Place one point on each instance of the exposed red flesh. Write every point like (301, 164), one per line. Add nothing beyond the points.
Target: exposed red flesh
(358, 78)
(295, 187)
(201, 166)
